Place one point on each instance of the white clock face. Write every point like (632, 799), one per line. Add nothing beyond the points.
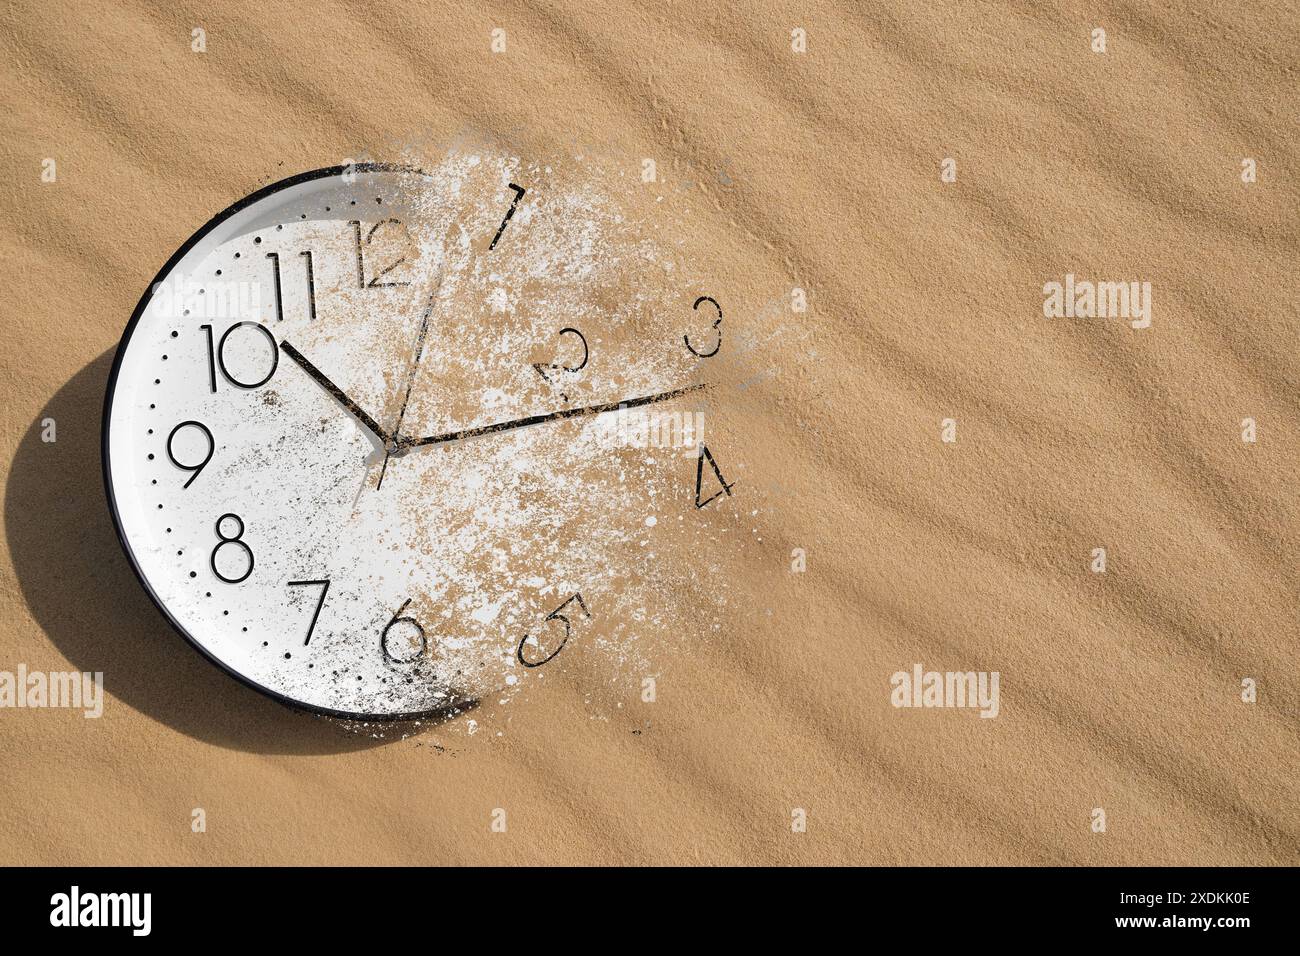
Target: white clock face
(363, 437)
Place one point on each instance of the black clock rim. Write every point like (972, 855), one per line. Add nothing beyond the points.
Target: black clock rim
(323, 173)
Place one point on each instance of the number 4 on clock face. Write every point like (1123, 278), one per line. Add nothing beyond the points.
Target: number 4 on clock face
(726, 486)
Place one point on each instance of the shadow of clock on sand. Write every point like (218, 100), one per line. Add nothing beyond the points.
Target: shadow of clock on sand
(81, 590)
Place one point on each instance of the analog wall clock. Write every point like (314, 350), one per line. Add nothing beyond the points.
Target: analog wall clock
(375, 439)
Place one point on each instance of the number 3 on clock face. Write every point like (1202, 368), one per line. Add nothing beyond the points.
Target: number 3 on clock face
(261, 458)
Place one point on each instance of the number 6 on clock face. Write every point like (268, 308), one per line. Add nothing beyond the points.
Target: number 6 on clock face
(274, 370)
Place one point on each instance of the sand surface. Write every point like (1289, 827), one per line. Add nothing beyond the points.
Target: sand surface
(821, 171)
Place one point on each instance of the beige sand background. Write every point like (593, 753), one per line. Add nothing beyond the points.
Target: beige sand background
(820, 170)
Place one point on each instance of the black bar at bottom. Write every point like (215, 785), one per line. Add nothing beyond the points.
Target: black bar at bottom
(333, 906)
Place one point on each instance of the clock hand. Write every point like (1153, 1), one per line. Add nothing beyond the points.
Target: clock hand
(336, 392)
(410, 381)
(405, 444)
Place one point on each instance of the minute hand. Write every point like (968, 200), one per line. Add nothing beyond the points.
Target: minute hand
(549, 416)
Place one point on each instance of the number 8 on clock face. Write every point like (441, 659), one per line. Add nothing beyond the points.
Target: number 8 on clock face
(269, 451)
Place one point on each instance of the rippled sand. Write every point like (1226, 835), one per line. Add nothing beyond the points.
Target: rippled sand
(820, 170)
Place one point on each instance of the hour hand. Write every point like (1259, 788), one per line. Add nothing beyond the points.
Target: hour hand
(357, 411)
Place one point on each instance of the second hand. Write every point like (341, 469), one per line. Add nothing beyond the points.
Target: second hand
(410, 381)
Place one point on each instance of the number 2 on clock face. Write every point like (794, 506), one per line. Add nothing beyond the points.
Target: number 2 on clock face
(247, 420)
